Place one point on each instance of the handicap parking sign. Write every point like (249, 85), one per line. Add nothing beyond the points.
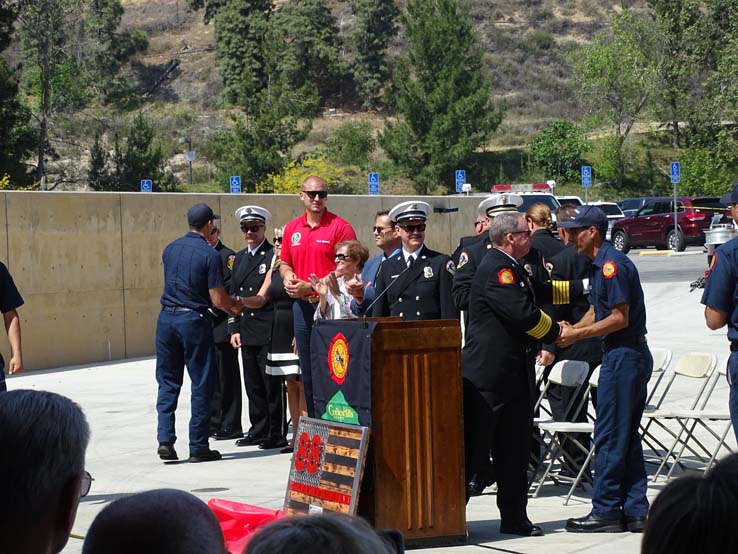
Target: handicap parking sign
(235, 184)
(374, 183)
(147, 185)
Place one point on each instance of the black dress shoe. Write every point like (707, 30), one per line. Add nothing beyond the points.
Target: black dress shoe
(521, 528)
(635, 524)
(287, 450)
(204, 456)
(476, 486)
(224, 435)
(593, 524)
(250, 440)
(273, 442)
(167, 452)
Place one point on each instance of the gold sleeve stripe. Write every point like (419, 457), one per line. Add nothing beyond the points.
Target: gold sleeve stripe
(560, 292)
(542, 327)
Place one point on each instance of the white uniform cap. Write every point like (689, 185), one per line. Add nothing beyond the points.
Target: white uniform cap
(412, 209)
(500, 203)
(255, 214)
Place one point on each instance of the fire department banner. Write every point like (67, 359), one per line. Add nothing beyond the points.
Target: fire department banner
(341, 356)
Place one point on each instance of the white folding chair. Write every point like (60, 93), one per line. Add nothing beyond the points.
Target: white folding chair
(697, 367)
(715, 422)
(558, 432)
(661, 361)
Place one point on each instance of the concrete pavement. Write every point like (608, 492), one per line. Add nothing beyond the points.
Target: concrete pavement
(119, 400)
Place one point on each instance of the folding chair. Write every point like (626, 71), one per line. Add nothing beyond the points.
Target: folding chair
(558, 431)
(694, 366)
(689, 421)
(661, 361)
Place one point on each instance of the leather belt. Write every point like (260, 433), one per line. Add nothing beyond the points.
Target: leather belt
(625, 341)
(312, 298)
(176, 309)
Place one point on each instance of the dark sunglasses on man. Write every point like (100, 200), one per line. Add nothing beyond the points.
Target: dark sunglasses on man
(250, 228)
(313, 193)
(420, 228)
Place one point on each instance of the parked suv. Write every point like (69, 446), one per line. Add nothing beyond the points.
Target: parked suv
(653, 224)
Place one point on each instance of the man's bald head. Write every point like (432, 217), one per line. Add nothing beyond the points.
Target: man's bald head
(161, 520)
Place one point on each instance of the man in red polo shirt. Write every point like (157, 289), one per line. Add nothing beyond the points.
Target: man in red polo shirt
(308, 247)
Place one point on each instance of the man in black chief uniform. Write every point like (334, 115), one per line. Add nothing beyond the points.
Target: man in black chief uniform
(416, 283)
(252, 333)
(225, 416)
(504, 319)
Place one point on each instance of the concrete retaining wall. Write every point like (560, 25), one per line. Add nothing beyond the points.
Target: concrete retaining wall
(89, 264)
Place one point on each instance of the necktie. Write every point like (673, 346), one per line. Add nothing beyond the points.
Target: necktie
(410, 261)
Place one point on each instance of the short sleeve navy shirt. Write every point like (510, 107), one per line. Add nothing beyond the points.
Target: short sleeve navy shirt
(616, 281)
(191, 268)
(721, 287)
(10, 298)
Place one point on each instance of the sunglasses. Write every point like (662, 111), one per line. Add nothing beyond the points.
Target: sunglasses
(277, 241)
(526, 233)
(250, 228)
(313, 193)
(343, 257)
(379, 230)
(414, 228)
(214, 231)
(478, 224)
(86, 484)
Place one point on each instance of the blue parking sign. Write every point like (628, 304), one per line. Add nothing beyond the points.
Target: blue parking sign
(676, 172)
(460, 179)
(147, 185)
(235, 184)
(586, 176)
(374, 183)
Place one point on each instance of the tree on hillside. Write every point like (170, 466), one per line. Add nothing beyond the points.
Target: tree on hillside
(241, 29)
(680, 28)
(440, 92)
(558, 150)
(374, 28)
(614, 77)
(311, 54)
(68, 46)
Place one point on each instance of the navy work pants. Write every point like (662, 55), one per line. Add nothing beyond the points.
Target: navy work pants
(620, 472)
(733, 381)
(184, 338)
(303, 313)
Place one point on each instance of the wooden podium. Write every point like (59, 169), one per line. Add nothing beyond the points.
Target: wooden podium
(416, 471)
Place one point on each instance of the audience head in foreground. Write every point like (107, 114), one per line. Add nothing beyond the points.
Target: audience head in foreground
(153, 522)
(44, 437)
(696, 514)
(319, 534)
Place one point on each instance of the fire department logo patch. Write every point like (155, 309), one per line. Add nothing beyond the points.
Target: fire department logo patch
(609, 270)
(295, 238)
(463, 260)
(231, 258)
(338, 358)
(506, 277)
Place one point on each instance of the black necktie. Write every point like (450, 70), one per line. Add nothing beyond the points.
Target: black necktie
(410, 261)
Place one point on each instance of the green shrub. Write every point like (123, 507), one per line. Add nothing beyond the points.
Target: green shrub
(557, 150)
(352, 144)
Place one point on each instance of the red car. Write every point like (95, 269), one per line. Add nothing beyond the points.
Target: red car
(653, 224)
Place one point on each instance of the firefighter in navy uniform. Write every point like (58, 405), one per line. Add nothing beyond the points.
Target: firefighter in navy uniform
(505, 320)
(225, 404)
(618, 315)
(252, 333)
(416, 283)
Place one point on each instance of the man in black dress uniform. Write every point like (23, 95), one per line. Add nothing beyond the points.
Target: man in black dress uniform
(504, 320)
(225, 416)
(252, 333)
(416, 283)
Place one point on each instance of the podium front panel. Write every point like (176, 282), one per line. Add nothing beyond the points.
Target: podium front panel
(417, 427)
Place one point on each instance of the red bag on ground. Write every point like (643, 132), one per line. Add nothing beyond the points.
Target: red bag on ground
(239, 521)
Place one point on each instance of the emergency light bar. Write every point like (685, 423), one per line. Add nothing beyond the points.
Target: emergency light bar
(535, 187)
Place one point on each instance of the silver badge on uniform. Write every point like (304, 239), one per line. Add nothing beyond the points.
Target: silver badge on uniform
(262, 269)
(528, 269)
(428, 272)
